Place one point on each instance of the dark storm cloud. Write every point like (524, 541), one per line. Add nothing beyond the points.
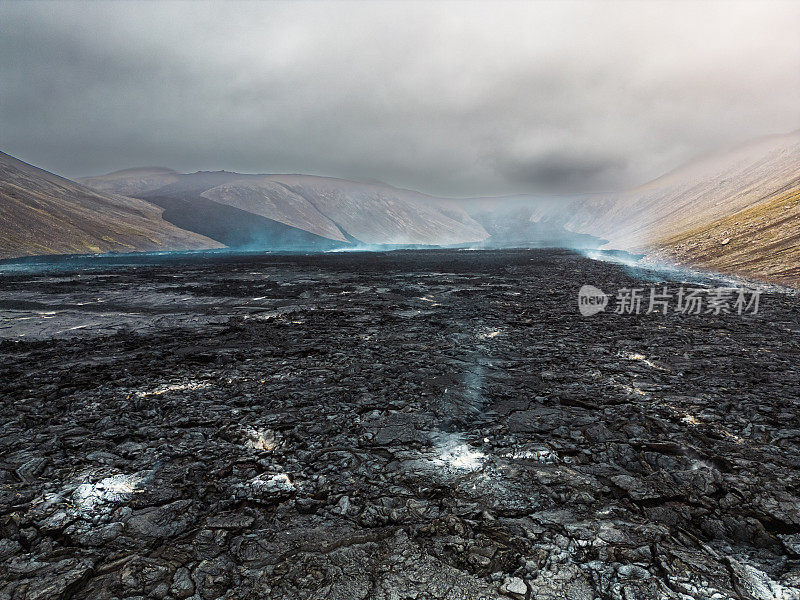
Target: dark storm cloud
(562, 171)
(462, 98)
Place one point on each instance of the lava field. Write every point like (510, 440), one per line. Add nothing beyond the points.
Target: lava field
(391, 426)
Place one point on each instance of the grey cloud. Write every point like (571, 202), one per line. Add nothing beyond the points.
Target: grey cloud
(454, 98)
(563, 172)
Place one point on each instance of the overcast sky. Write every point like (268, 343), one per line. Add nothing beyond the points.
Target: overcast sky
(451, 98)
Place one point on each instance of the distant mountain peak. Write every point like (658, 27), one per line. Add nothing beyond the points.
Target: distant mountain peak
(140, 170)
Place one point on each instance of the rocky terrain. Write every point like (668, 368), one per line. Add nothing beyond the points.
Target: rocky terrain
(762, 241)
(404, 425)
(695, 195)
(42, 213)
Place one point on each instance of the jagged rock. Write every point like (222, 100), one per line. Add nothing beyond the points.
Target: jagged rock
(267, 487)
(182, 584)
(53, 580)
(160, 522)
(753, 584)
(212, 577)
(438, 425)
(230, 521)
(514, 587)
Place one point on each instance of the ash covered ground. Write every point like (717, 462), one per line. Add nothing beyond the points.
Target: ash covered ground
(403, 425)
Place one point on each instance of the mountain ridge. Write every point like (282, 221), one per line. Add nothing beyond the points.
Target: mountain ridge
(368, 212)
(684, 215)
(44, 213)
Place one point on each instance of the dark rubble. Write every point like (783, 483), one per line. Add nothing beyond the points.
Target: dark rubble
(404, 425)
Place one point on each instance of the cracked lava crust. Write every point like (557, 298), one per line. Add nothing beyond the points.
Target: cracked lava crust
(386, 426)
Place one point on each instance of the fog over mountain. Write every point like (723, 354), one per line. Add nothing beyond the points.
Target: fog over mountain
(349, 124)
(694, 194)
(748, 194)
(42, 213)
(450, 99)
(283, 211)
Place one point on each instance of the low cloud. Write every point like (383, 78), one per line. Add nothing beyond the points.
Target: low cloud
(453, 98)
(564, 172)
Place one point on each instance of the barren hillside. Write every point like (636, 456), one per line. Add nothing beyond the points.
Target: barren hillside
(43, 213)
